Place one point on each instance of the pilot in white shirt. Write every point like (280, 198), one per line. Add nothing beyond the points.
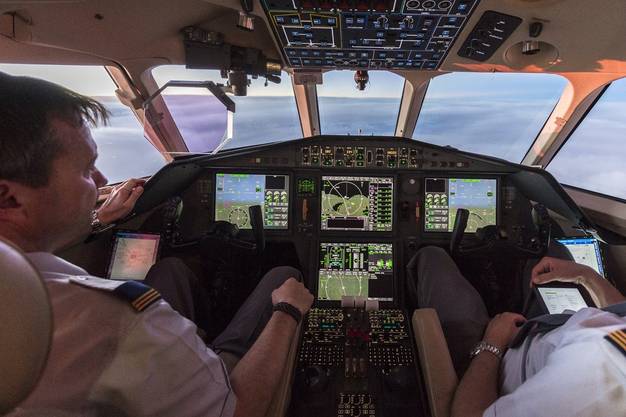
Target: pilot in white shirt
(134, 355)
(575, 369)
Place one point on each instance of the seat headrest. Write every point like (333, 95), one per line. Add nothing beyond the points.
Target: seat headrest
(25, 326)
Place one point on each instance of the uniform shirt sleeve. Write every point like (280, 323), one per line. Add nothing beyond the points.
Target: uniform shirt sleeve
(583, 379)
(162, 368)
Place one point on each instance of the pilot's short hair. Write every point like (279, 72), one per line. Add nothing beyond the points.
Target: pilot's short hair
(28, 146)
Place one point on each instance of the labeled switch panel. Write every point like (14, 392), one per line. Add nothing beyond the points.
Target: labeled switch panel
(368, 34)
(488, 35)
(386, 157)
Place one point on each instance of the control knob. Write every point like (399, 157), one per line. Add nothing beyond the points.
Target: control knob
(383, 21)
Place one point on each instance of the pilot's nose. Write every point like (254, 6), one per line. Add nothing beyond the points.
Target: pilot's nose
(100, 179)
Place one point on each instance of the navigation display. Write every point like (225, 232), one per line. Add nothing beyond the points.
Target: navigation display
(357, 203)
(356, 269)
(586, 251)
(443, 196)
(235, 193)
(133, 255)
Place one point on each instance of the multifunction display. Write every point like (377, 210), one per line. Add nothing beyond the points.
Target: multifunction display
(357, 203)
(356, 269)
(444, 196)
(235, 193)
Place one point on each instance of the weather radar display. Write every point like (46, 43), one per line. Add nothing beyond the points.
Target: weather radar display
(356, 269)
(444, 196)
(357, 203)
(235, 193)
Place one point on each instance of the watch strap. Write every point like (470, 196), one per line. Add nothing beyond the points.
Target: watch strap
(483, 346)
(289, 309)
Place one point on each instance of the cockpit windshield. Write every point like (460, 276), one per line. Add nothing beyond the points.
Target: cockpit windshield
(344, 110)
(495, 114)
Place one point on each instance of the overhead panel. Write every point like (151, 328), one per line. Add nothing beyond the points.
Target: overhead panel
(367, 34)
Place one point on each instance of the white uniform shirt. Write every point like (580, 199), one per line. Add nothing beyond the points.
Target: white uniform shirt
(570, 371)
(105, 354)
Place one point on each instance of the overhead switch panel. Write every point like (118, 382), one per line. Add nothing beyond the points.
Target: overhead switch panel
(367, 34)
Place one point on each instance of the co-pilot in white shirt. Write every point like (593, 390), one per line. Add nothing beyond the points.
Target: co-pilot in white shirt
(572, 371)
(105, 355)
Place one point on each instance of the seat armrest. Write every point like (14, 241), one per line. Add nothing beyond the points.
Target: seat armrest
(436, 364)
(282, 396)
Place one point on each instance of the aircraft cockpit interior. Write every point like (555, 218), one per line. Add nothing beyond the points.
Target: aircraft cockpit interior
(251, 159)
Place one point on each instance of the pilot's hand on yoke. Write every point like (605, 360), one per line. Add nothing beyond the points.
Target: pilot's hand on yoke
(120, 201)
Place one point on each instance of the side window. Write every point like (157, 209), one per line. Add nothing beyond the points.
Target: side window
(123, 150)
(594, 157)
(268, 113)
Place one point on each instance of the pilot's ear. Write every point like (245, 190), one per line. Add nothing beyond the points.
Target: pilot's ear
(9, 197)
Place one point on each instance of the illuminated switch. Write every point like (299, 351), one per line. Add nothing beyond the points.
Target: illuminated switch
(295, 20)
(332, 21)
(317, 21)
(280, 19)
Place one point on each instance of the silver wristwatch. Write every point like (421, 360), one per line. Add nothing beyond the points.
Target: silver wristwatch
(484, 346)
(95, 221)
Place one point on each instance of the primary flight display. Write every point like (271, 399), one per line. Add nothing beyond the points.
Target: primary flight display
(235, 193)
(444, 196)
(357, 203)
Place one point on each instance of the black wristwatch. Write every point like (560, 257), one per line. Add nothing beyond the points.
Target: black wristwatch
(289, 309)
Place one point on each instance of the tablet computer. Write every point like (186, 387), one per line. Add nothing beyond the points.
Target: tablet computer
(133, 254)
(586, 251)
(558, 297)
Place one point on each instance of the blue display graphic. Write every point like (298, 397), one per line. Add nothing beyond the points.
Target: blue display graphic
(235, 193)
(444, 196)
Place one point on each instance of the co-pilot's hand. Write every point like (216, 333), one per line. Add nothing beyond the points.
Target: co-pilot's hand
(553, 269)
(121, 201)
(294, 293)
(502, 329)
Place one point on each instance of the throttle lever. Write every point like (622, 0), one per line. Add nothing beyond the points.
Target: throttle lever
(256, 221)
(460, 224)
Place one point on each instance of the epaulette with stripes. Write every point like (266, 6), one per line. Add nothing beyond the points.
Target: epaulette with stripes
(618, 339)
(140, 296)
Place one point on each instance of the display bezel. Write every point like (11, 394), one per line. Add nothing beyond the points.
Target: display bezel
(394, 215)
(290, 195)
(335, 303)
(464, 177)
(113, 247)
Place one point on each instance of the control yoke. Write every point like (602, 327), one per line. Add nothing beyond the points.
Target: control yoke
(228, 232)
(460, 224)
(256, 221)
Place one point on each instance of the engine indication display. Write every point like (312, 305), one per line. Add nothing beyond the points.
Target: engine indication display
(235, 193)
(445, 195)
(357, 203)
(356, 269)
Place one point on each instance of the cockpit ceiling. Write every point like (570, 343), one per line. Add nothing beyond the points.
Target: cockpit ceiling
(577, 35)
